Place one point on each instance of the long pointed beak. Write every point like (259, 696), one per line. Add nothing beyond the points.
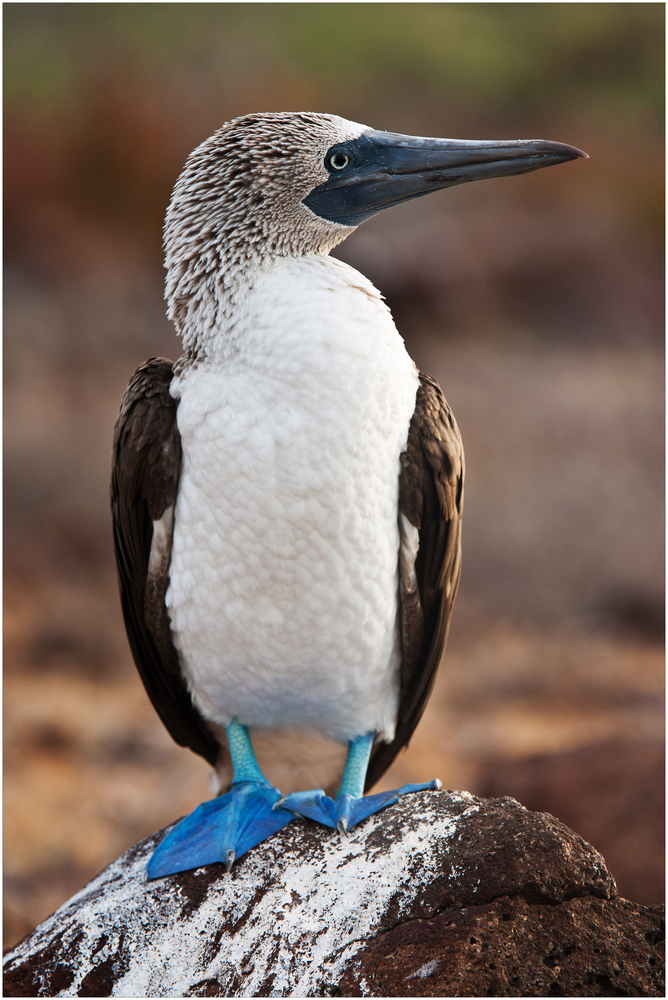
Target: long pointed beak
(385, 168)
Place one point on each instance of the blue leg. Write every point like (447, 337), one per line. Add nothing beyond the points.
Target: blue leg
(226, 827)
(351, 806)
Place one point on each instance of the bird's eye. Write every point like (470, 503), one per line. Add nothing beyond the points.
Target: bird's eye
(339, 161)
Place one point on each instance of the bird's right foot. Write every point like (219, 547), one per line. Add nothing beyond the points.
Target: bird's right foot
(222, 829)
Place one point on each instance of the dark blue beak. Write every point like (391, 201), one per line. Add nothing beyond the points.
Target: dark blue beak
(380, 169)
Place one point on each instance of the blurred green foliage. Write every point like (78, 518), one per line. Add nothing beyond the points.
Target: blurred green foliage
(603, 59)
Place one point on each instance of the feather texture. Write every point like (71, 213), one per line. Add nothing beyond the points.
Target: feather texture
(147, 458)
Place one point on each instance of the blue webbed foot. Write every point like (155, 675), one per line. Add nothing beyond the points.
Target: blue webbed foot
(221, 830)
(347, 810)
(351, 805)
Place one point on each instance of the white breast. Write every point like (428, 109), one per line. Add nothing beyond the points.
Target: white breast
(283, 594)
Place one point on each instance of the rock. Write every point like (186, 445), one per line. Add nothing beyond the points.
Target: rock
(579, 948)
(611, 793)
(443, 893)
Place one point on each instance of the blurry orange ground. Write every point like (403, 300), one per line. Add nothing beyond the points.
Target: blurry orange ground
(89, 768)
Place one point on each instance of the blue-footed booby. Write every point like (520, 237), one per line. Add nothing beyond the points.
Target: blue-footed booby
(287, 497)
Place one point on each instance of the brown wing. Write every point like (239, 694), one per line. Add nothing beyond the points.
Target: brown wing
(146, 460)
(431, 494)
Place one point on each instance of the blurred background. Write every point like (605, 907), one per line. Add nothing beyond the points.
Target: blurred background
(536, 301)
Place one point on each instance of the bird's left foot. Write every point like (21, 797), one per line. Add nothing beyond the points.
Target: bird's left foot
(346, 811)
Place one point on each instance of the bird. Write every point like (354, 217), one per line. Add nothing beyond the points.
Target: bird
(287, 496)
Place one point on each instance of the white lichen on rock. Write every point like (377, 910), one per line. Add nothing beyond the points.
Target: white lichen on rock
(306, 903)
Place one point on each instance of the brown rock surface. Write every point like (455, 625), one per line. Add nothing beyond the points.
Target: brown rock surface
(510, 947)
(612, 793)
(443, 892)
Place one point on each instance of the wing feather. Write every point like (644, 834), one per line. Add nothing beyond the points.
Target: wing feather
(431, 494)
(146, 460)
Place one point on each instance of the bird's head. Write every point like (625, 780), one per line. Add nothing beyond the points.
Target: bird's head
(290, 184)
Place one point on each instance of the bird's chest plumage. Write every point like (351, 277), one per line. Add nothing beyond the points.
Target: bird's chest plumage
(283, 593)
